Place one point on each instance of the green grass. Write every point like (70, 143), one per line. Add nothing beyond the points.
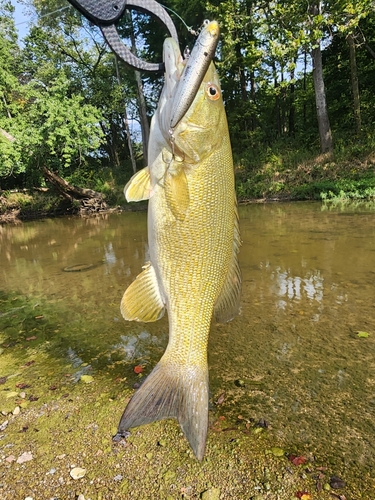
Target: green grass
(290, 173)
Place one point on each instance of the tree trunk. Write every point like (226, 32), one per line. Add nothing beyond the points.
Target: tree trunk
(126, 123)
(326, 143)
(253, 100)
(69, 191)
(370, 50)
(277, 113)
(304, 87)
(142, 108)
(292, 105)
(355, 87)
(283, 103)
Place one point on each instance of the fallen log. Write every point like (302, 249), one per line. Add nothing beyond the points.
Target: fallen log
(63, 186)
(90, 200)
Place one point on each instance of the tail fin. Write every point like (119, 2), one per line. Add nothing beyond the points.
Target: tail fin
(170, 390)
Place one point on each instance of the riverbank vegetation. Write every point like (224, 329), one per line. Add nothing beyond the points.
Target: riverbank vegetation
(297, 81)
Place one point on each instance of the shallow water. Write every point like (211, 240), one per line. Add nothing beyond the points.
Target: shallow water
(292, 357)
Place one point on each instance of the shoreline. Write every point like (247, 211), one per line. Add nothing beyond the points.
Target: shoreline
(12, 212)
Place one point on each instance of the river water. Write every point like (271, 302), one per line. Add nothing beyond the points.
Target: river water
(293, 357)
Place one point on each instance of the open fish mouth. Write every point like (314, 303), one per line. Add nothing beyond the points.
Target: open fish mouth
(194, 71)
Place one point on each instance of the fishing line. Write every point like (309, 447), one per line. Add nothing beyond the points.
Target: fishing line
(189, 28)
(46, 15)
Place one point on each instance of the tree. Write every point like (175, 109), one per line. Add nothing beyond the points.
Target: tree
(59, 130)
(326, 142)
(10, 90)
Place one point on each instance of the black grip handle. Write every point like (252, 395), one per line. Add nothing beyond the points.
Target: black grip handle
(100, 12)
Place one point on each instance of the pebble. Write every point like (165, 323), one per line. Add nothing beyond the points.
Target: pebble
(10, 459)
(17, 410)
(4, 425)
(337, 483)
(25, 457)
(77, 473)
(80, 497)
(211, 494)
(22, 395)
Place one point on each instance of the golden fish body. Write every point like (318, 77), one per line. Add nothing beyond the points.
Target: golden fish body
(193, 240)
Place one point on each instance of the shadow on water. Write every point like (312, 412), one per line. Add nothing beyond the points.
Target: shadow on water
(293, 357)
(74, 317)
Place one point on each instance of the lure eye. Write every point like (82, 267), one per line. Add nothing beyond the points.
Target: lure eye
(212, 92)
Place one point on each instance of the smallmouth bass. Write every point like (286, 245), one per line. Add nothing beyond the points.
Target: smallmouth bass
(194, 239)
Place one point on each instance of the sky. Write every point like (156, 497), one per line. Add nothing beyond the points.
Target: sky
(21, 19)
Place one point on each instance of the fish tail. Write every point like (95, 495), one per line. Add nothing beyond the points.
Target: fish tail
(171, 390)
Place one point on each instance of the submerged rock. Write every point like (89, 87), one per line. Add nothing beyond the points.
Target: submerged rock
(77, 473)
(25, 457)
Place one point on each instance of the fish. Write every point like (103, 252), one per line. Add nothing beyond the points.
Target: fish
(193, 237)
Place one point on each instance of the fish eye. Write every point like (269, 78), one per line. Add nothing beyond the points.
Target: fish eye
(212, 91)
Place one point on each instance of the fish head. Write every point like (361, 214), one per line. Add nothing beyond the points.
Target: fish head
(190, 105)
(199, 130)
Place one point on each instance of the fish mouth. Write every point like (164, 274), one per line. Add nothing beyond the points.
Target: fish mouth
(194, 71)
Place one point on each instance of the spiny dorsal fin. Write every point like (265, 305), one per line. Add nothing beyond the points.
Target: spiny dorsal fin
(142, 300)
(177, 193)
(139, 186)
(228, 303)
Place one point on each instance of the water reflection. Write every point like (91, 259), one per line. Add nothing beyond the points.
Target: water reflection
(293, 287)
(308, 288)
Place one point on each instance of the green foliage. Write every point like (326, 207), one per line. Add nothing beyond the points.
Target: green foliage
(33, 203)
(66, 103)
(291, 173)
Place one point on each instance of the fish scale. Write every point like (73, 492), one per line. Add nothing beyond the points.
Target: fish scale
(194, 240)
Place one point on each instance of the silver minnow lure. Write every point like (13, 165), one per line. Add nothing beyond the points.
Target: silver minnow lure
(193, 74)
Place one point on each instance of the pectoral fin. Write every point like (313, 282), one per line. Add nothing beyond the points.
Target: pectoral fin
(177, 193)
(228, 303)
(142, 300)
(139, 186)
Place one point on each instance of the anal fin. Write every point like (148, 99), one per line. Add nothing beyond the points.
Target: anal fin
(142, 300)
